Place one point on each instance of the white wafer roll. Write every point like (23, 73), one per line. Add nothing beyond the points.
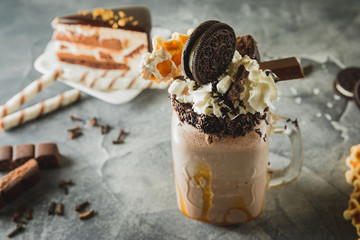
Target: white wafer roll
(39, 109)
(28, 93)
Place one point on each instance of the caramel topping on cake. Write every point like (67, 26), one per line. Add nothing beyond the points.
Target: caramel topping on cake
(110, 16)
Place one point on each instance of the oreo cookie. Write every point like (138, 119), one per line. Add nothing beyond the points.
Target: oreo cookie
(208, 51)
(357, 94)
(246, 45)
(346, 80)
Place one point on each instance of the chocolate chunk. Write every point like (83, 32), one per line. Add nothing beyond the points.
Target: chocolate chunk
(214, 53)
(357, 94)
(284, 69)
(346, 80)
(246, 45)
(189, 45)
(237, 85)
(5, 158)
(47, 155)
(17, 181)
(22, 153)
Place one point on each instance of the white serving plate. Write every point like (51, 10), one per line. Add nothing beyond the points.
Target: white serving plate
(48, 61)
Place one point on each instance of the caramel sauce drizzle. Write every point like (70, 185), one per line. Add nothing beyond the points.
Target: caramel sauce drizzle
(203, 179)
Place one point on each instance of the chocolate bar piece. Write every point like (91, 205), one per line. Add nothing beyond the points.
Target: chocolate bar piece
(22, 153)
(5, 158)
(47, 155)
(284, 69)
(17, 181)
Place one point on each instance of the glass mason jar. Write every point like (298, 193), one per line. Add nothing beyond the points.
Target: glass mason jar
(224, 182)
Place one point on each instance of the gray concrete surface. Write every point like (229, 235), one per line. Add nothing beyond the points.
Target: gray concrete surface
(131, 186)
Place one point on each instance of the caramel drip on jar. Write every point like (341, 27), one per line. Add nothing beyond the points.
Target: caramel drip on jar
(182, 203)
(240, 205)
(203, 179)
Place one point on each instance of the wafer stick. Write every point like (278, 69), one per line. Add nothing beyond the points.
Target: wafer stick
(37, 110)
(28, 93)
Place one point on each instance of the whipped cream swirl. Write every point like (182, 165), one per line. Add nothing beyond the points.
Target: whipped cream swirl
(259, 91)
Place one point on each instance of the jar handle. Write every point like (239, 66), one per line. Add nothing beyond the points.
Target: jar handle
(281, 177)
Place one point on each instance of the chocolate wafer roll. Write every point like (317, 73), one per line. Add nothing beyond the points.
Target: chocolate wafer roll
(39, 109)
(17, 181)
(28, 93)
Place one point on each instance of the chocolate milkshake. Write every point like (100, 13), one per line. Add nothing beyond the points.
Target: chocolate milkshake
(223, 182)
(221, 122)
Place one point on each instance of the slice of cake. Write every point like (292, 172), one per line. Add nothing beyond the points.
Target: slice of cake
(103, 38)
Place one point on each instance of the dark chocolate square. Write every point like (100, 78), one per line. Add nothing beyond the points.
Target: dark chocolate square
(5, 158)
(30, 173)
(22, 153)
(47, 155)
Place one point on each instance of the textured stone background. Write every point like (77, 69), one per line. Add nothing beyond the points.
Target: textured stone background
(131, 185)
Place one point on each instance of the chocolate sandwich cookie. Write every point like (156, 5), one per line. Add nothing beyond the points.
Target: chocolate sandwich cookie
(357, 94)
(246, 45)
(208, 51)
(190, 44)
(5, 158)
(346, 80)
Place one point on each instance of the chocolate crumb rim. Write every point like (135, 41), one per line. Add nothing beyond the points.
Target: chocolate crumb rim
(219, 127)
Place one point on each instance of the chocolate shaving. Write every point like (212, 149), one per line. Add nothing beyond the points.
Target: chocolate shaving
(264, 138)
(51, 210)
(63, 185)
(66, 182)
(258, 132)
(18, 214)
(75, 135)
(74, 129)
(29, 213)
(19, 228)
(60, 210)
(82, 206)
(93, 122)
(65, 189)
(73, 118)
(179, 78)
(104, 129)
(238, 83)
(22, 222)
(87, 215)
(119, 140)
